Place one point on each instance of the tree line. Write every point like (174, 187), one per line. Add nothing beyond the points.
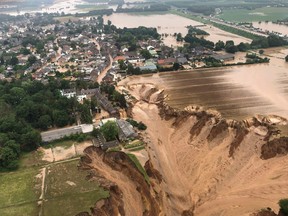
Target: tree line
(28, 107)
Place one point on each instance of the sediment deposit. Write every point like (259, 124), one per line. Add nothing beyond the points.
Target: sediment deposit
(200, 163)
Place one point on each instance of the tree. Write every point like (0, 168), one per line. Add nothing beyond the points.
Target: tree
(16, 95)
(242, 47)
(122, 65)
(84, 110)
(283, 204)
(120, 98)
(141, 126)
(229, 43)
(14, 60)
(274, 41)
(44, 122)
(25, 51)
(132, 46)
(219, 45)
(231, 49)
(14, 146)
(179, 37)
(60, 118)
(8, 158)
(31, 140)
(130, 68)
(2, 62)
(146, 54)
(261, 52)
(176, 66)
(32, 59)
(109, 130)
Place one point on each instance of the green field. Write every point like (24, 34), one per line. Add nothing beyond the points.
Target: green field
(19, 192)
(217, 25)
(67, 192)
(88, 7)
(259, 14)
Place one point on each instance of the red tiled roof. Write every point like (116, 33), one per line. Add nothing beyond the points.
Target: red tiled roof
(119, 58)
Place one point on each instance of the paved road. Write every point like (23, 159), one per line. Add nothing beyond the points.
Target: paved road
(60, 133)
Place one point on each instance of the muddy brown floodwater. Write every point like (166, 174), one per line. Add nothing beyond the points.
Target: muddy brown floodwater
(269, 26)
(170, 24)
(236, 92)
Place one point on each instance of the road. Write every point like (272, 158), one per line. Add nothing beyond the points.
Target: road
(104, 72)
(60, 133)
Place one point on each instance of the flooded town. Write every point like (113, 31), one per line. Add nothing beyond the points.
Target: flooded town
(127, 107)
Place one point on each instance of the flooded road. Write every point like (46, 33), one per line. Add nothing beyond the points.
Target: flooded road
(170, 24)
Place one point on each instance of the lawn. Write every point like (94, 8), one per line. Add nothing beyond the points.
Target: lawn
(259, 14)
(32, 159)
(29, 209)
(73, 204)
(68, 192)
(65, 144)
(133, 144)
(19, 192)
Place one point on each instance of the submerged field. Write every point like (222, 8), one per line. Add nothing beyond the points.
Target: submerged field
(236, 92)
(259, 14)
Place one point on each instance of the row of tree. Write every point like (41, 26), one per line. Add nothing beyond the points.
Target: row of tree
(230, 47)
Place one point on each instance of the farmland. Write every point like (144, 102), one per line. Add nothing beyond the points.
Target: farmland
(259, 14)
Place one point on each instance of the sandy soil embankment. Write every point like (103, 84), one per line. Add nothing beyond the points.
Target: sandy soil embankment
(208, 166)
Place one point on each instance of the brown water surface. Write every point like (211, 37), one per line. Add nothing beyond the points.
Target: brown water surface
(237, 92)
(170, 24)
(269, 26)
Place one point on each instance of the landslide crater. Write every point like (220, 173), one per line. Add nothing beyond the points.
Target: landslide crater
(200, 163)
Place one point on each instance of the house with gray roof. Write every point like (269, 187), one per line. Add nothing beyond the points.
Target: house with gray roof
(126, 130)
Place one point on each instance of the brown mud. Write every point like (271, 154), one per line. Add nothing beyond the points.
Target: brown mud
(200, 163)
